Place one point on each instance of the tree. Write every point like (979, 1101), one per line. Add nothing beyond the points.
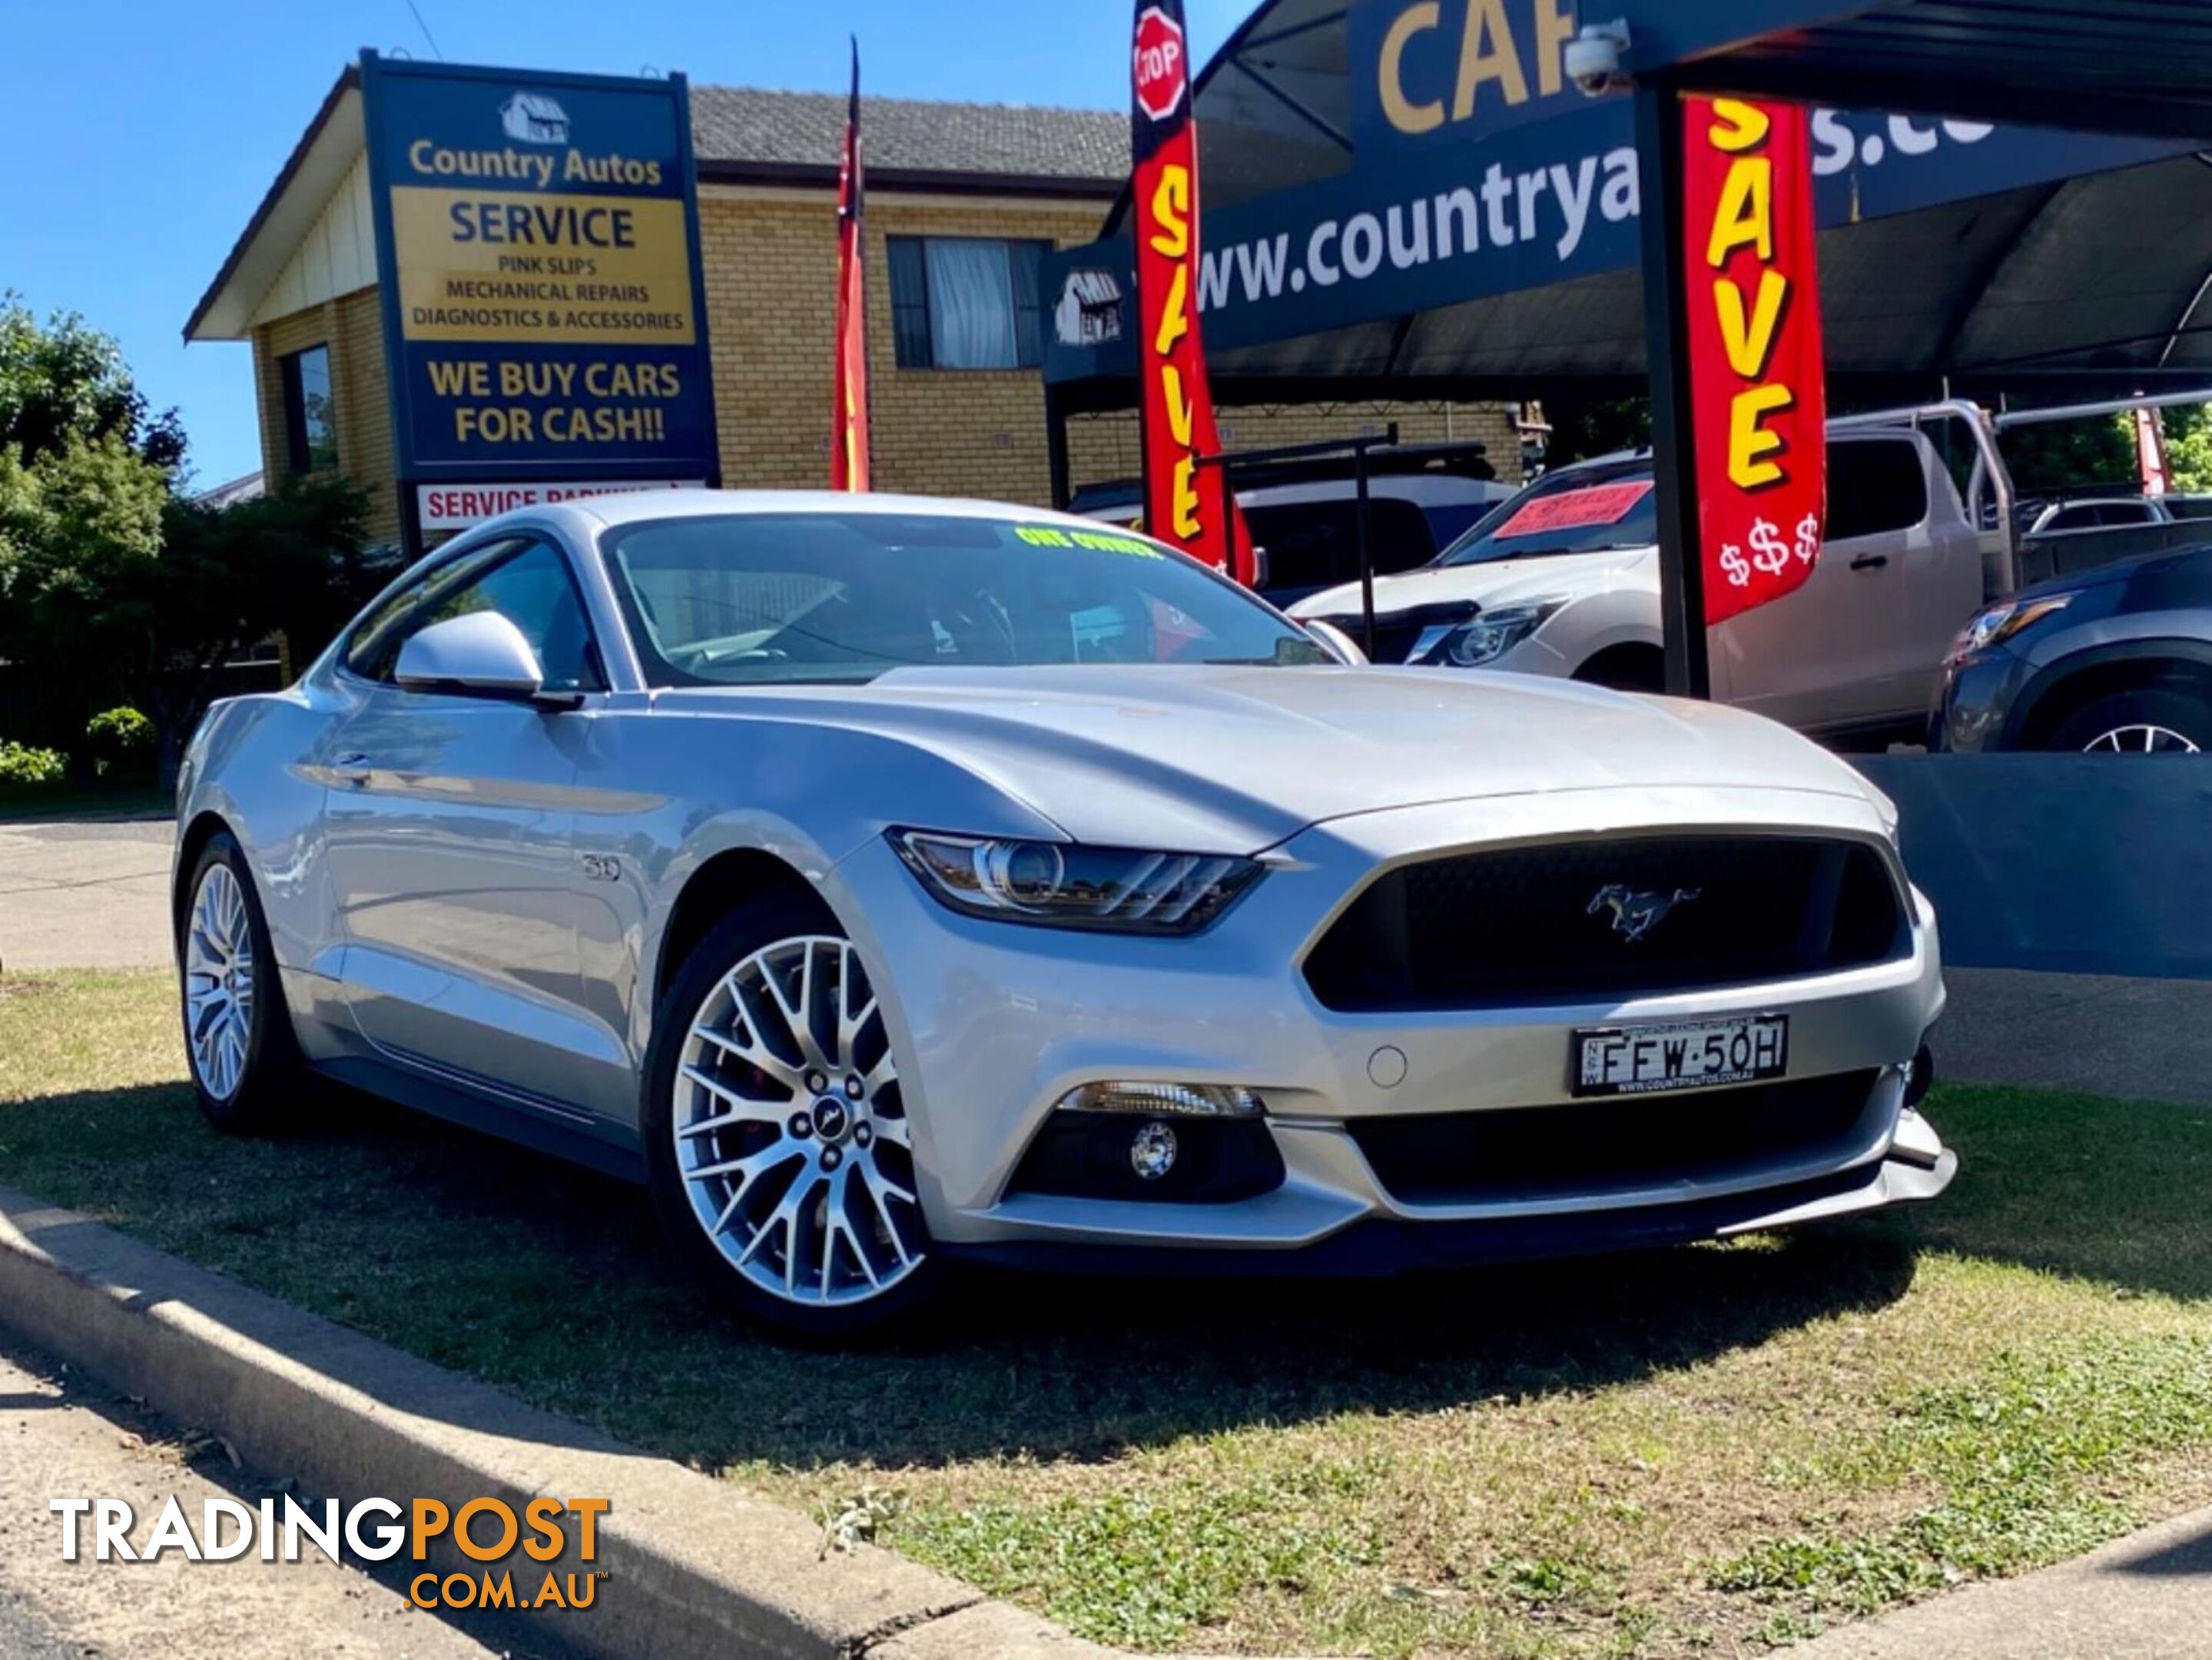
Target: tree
(2097, 452)
(2189, 446)
(290, 562)
(80, 536)
(113, 589)
(67, 379)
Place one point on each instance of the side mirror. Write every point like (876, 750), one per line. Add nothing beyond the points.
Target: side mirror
(1335, 641)
(481, 653)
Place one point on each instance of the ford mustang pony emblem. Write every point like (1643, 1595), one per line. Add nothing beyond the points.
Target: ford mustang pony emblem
(1634, 914)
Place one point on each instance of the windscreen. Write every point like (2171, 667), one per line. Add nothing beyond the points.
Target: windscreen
(1587, 510)
(783, 597)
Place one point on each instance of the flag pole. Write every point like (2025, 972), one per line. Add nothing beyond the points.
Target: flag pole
(850, 447)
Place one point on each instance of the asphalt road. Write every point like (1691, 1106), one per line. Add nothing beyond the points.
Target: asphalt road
(24, 1636)
(62, 1437)
(84, 896)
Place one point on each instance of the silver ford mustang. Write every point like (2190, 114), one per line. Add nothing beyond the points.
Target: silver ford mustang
(888, 882)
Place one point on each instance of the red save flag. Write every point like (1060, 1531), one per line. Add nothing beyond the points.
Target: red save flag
(848, 441)
(1756, 377)
(1183, 504)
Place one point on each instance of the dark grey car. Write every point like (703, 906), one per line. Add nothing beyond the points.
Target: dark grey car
(2116, 659)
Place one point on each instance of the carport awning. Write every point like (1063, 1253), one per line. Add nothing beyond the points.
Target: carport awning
(2004, 257)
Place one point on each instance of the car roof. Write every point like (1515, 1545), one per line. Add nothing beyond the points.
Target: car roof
(592, 514)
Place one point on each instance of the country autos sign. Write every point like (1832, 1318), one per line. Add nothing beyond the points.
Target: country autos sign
(537, 241)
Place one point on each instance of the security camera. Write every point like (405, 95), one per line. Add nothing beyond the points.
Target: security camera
(1593, 58)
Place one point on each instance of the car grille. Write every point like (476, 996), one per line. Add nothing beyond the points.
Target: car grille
(1519, 926)
(1588, 1147)
(1397, 633)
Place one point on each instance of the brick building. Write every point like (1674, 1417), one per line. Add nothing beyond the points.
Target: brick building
(962, 199)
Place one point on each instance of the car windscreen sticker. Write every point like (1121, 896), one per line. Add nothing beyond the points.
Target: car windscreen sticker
(1052, 536)
(1599, 504)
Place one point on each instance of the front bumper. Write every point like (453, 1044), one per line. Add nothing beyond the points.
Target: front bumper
(1974, 703)
(994, 1023)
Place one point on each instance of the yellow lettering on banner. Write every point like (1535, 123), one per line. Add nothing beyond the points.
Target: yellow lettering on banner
(1171, 207)
(1486, 52)
(1187, 527)
(1749, 442)
(1737, 125)
(1175, 318)
(1554, 28)
(1405, 115)
(1750, 341)
(1179, 406)
(1745, 217)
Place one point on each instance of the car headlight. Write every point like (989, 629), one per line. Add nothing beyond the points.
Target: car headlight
(1066, 884)
(1490, 634)
(1998, 624)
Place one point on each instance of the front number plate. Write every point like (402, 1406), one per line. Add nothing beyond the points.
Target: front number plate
(1688, 1055)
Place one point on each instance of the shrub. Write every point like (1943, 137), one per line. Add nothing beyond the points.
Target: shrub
(21, 764)
(121, 739)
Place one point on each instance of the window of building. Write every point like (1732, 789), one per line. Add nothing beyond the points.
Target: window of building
(966, 303)
(310, 430)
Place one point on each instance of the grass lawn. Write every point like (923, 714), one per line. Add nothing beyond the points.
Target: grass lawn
(1695, 1451)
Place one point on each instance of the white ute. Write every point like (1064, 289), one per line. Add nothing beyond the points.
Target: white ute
(1563, 580)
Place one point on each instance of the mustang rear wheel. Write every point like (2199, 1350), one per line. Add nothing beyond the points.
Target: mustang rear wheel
(237, 1036)
(781, 1152)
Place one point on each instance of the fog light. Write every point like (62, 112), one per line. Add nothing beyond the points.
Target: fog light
(1152, 1150)
(1177, 1100)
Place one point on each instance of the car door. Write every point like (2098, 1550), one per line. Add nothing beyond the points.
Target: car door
(1828, 655)
(449, 832)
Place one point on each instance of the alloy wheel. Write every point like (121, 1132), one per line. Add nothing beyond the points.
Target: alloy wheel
(791, 1138)
(2145, 737)
(219, 983)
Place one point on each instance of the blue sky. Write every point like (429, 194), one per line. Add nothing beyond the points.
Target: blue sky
(142, 135)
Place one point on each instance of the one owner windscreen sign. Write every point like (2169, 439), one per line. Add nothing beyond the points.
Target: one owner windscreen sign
(538, 240)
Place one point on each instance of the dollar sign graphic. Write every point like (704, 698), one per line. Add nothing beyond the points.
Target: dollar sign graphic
(1733, 566)
(1768, 551)
(1808, 536)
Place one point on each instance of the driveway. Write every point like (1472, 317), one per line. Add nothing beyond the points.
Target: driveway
(85, 894)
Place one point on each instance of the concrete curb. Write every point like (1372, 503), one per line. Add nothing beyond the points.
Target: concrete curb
(694, 1567)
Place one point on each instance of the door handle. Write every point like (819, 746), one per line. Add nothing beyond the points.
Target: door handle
(1870, 562)
(350, 769)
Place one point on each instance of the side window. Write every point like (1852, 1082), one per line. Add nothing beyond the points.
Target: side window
(1874, 485)
(527, 583)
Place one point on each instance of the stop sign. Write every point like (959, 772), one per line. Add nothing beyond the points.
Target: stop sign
(1162, 67)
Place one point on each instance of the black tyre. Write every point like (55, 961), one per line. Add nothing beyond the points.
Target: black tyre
(2153, 720)
(776, 1140)
(239, 1043)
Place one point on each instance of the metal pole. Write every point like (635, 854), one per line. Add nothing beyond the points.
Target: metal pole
(1667, 350)
(1366, 558)
(1056, 433)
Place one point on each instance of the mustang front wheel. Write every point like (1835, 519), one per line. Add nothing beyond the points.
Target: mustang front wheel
(781, 1154)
